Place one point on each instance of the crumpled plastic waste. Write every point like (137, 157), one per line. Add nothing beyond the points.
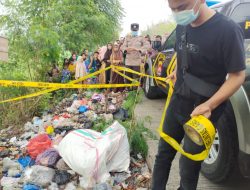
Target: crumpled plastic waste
(37, 121)
(10, 182)
(70, 186)
(53, 186)
(112, 108)
(61, 177)
(31, 187)
(61, 165)
(62, 122)
(97, 97)
(94, 101)
(82, 118)
(66, 115)
(13, 140)
(22, 143)
(102, 186)
(27, 135)
(91, 115)
(38, 175)
(120, 177)
(4, 152)
(83, 109)
(48, 158)
(121, 114)
(26, 161)
(73, 97)
(13, 172)
(65, 129)
(49, 130)
(75, 106)
(38, 144)
(88, 125)
(28, 127)
(10, 164)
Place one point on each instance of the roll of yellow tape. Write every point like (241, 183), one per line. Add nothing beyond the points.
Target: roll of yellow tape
(200, 130)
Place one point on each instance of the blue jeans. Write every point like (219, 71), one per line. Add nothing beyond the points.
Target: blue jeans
(177, 115)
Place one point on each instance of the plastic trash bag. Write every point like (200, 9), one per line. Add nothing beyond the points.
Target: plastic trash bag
(61, 165)
(61, 177)
(121, 114)
(37, 124)
(31, 187)
(38, 175)
(97, 97)
(48, 158)
(10, 164)
(53, 186)
(9, 182)
(26, 161)
(76, 104)
(70, 186)
(13, 172)
(102, 186)
(38, 144)
(82, 109)
(93, 155)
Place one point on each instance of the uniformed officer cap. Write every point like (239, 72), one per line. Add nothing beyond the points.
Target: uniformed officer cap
(134, 27)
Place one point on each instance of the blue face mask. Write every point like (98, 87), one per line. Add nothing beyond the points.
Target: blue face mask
(134, 33)
(187, 16)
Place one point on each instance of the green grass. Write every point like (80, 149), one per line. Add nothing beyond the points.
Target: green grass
(100, 125)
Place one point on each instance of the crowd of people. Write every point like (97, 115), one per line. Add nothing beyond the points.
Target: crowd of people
(127, 52)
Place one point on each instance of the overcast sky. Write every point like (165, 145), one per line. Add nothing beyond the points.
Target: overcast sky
(144, 12)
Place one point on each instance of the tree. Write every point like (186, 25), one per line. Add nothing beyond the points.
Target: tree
(42, 30)
(39, 32)
(162, 28)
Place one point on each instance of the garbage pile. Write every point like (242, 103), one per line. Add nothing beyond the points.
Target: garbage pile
(62, 149)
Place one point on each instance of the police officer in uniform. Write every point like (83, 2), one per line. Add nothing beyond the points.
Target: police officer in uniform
(209, 48)
(135, 48)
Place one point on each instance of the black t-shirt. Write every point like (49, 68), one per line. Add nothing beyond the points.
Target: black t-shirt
(215, 49)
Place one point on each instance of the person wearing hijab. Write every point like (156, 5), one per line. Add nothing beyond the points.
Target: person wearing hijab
(116, 59)
(107, 62)
(81, 67)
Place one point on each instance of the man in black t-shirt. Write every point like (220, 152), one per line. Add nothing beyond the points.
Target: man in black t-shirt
(215, 49)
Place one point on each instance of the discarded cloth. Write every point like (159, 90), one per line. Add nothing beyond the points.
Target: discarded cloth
(48, 158)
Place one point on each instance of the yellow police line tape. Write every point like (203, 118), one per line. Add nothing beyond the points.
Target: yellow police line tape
(138, 73)
(54, 89)
(8, 83)
(54, 86)
(5, 83)
(200, 125)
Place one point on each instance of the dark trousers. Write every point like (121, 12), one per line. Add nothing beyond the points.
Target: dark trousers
(108, 73)
(177, 115)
